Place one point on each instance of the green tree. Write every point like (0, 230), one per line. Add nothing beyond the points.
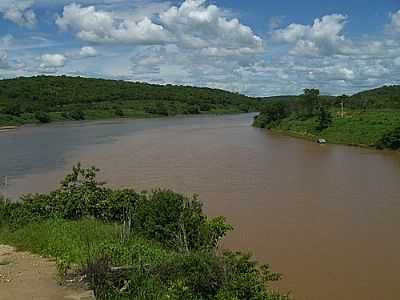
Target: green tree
(310, 102)
(390, 140)
(13, 109)
(42, 117)
(324, 119)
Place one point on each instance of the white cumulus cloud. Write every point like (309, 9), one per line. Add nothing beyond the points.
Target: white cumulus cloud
(323, 37)
(197, 25)
(100, 26)
(87, 52)
(51, 61)
(193, 24)
(19, 12)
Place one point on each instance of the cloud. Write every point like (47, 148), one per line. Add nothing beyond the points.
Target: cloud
(99, 26)
(52, 61)
(3, 60)
(19, 12)
(394, 25)
(324, 37)
(193, 24)
(196, 25)
(87, 52)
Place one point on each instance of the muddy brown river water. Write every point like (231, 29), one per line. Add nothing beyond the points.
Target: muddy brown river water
(327, 217)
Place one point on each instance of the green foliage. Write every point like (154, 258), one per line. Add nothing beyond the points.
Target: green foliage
(390, 140)
(77, 98)
(119, 112)
(386, 97)
(178, 221)
(310, 102)
(42, 117)
(271, 114)
(313, 116)
(324, 119)
(129, 245)
(13, 109)
(76, 115)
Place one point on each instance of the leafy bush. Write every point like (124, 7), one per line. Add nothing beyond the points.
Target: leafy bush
(42, 117)
(77, 115)
(272, 113)
(177, 221)
(157, 245)
(160, 215)
(324, 119)
(13, 109)
(390, 140)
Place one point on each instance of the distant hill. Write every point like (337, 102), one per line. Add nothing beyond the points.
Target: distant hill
(383, 97)
(59, 90)
(26, 99)
(386, 97)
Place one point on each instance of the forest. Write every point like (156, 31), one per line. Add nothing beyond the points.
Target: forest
(43, 99)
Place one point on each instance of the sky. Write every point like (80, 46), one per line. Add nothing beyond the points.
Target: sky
(255, 47)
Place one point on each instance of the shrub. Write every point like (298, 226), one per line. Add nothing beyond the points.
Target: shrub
(42, 117)
(13, 109)
(273, 112)
(119, 112)
(324, 119)
(390, 140)
(77, 115)
(177, 221)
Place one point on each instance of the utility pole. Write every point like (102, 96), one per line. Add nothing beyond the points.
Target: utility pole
(342, 104)
(342, 100)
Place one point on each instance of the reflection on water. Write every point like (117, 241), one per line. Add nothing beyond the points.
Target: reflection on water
(327, 217)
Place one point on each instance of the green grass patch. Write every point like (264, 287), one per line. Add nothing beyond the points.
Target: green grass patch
(362, 128)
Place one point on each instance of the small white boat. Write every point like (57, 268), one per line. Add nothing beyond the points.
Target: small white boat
(321, 141)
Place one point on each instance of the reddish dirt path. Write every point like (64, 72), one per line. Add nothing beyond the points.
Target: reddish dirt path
(24, 276)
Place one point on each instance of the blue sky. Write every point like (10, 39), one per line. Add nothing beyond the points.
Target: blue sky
(255, 47)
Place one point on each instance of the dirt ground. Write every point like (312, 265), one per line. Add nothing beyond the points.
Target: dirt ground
(24, 276)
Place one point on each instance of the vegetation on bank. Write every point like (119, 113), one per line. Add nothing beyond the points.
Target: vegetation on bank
(370, 118)
(130, 245)
(43, 99)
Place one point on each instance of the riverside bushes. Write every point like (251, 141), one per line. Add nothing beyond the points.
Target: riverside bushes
(390, 140)
(340, 120)
(129, 245)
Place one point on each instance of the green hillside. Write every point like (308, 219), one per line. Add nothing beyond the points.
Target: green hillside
(370, 118)
(52, 98)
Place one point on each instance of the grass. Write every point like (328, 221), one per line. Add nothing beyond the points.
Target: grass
(77, 241)
(77, 244)
(359, 128)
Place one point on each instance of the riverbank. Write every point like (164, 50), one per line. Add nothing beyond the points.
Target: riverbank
(356, 128)
(129, 245)
(96, 115)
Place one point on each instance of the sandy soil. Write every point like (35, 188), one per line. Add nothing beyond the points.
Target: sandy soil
(24, 276)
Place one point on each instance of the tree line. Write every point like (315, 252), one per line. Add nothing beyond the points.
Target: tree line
(38, 97)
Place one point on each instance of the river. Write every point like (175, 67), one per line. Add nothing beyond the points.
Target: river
(327, 217)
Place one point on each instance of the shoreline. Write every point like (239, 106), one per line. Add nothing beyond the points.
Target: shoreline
(314, 139)
(7, 128)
